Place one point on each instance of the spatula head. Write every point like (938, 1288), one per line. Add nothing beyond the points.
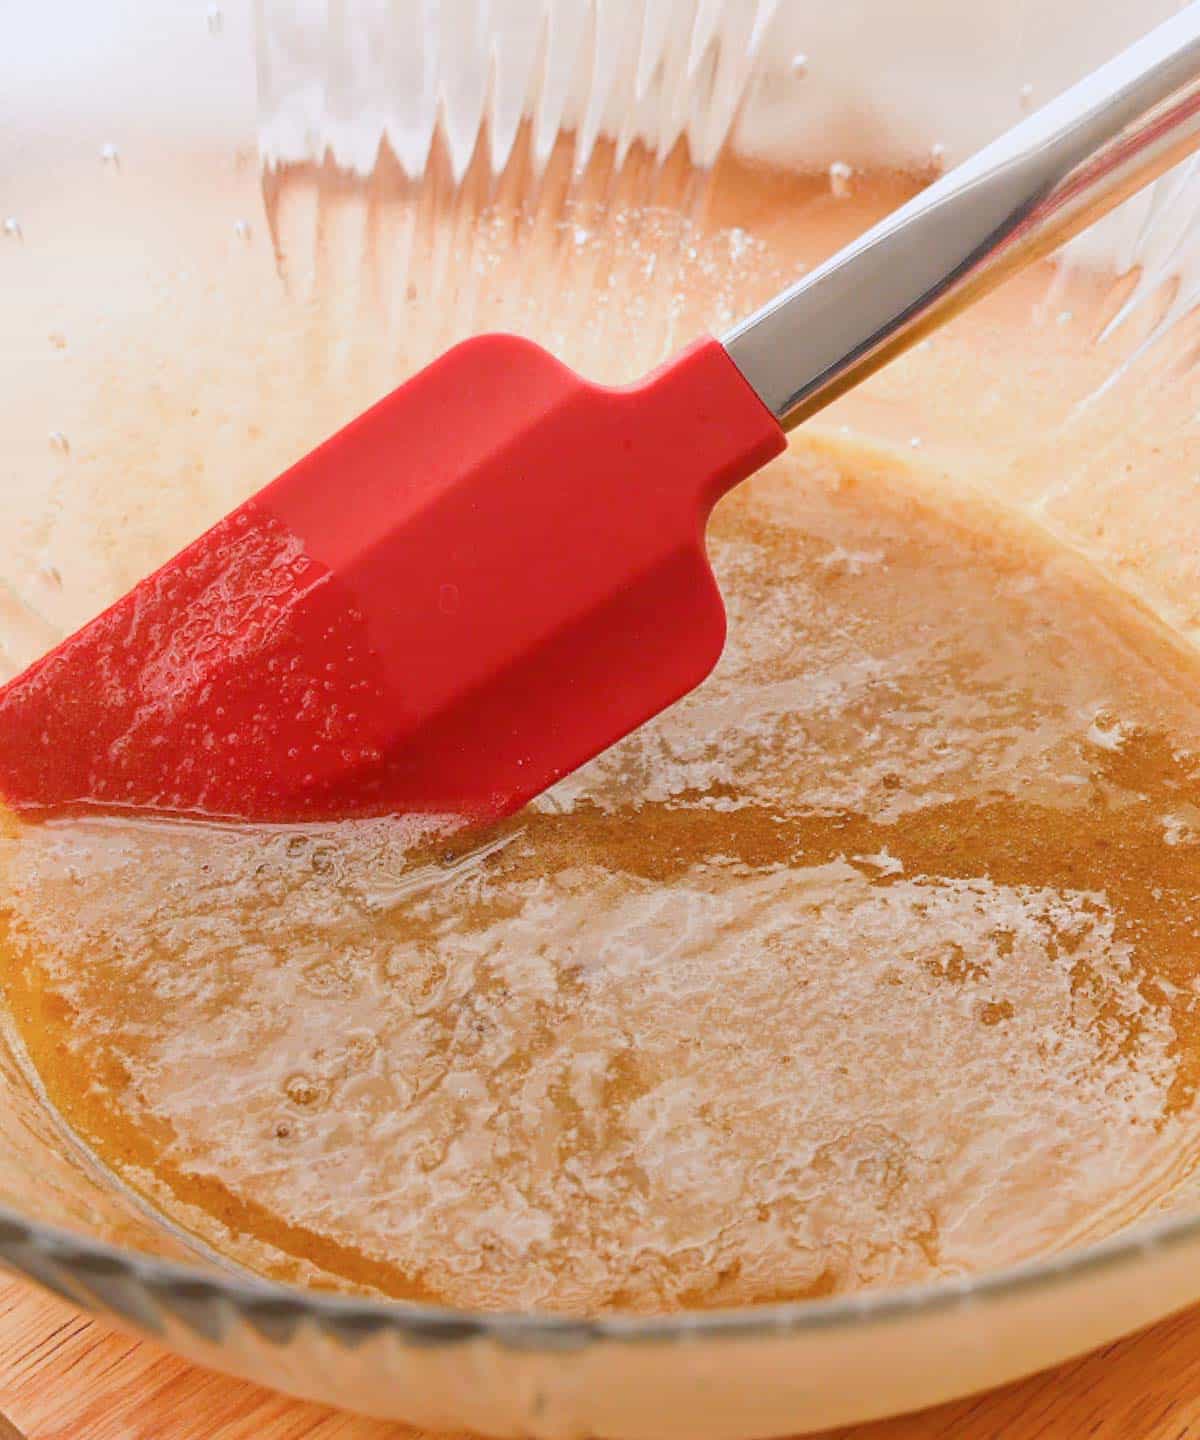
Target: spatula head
(479, 584)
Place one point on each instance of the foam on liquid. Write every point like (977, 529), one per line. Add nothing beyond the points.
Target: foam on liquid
(875, 960)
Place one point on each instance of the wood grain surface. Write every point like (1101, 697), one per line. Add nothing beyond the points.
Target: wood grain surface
(63, 1377)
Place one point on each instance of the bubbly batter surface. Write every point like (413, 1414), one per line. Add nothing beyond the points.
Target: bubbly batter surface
(875, 960)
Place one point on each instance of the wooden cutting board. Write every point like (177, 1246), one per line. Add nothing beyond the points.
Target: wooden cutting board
(63, 1377)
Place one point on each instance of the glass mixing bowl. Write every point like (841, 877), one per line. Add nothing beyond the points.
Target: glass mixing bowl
(221, 239)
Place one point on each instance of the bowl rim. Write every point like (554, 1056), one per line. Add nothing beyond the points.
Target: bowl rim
(252, 1295)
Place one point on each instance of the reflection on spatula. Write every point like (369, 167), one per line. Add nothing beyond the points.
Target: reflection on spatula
(499, 570)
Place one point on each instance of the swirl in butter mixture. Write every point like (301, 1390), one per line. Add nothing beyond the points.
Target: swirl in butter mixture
(874, 960)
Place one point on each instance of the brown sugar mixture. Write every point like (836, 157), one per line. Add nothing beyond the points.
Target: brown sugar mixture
(875, 960)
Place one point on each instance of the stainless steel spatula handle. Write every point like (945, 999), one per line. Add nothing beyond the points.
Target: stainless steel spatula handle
(1011, 204)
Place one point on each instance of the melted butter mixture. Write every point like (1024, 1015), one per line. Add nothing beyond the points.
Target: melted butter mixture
(876, 959)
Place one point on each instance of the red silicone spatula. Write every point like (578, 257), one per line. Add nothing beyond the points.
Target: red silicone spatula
(499, 569)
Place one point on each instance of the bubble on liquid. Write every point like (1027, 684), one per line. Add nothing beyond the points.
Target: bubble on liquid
(839, 178)
(60, 442)
(1179, 829)
(937, 156)
(839, 560)
(110, 155)
(1107, 732)
(1065, 317)
(241, 228)
(302, 1091)
(12, 227)
(214, 18)
(884, 861)
(915, 442)
(799, 65)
